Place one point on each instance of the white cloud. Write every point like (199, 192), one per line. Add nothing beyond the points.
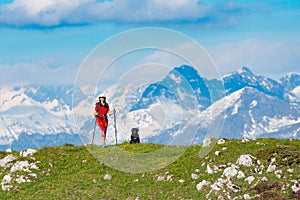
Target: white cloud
(44, 71)
(49, 13)
(188, 53)
(268, 58)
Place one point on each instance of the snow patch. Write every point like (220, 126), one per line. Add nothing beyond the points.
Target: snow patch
(175, 78)
(253, 104)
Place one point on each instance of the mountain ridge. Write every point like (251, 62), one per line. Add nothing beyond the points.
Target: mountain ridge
(48, 110)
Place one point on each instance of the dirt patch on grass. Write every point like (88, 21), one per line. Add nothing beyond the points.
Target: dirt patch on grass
(285, 155)
(267, 190)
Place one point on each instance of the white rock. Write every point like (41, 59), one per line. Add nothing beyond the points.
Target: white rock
(278, 173)
(245, 160)
(6, 179)
(224, 148)
(215, 187)
(160, 178)
(233, 187)
(240, 175)
(28, 152)
(273, 160)
(33, 175)
(245, 140)
(230, 171)
(169, 177)
(221, 181)
(107, 177)
(247, 196)
(217, 153)
(221, 141)
(194, 176)
(219, 184)
(271, 168)
(250, 179)
(258, 162)
(197, 170)
(216, 168)
(181, 180)
(278, 176)
(290, 170)
(34, 166)
(261, 167)
(20, 166)
(8, 150)
(264, 179)
(9, 158)
(6, 187)
(206, 142)
(209, 170)
(22, 179)
(200, 185)
(295, 188)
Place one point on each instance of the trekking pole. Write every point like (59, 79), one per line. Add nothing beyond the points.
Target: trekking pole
(115, 125)
(94, 130)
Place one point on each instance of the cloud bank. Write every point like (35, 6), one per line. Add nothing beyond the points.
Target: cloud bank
(43, 71)
(53, 13)
(268, 58)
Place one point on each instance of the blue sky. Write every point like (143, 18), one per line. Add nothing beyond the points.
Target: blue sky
(46, 41)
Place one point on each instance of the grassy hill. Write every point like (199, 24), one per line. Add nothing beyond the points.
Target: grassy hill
(72, 172)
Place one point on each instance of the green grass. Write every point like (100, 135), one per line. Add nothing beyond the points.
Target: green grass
(71, 172)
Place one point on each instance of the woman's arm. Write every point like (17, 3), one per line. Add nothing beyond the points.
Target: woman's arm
(96, 110)
(111, 112)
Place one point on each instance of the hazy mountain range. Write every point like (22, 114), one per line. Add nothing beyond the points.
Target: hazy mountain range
(182, 106)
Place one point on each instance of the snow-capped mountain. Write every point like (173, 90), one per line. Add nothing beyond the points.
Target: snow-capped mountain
(249, 113)
(290, 81)
(179, 86)
(182, 105)
(296, 94)
(245, 77)
(32, 113)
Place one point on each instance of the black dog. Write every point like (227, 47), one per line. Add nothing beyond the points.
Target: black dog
(135, 138)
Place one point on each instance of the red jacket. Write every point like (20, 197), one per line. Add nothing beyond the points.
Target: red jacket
(102, 110)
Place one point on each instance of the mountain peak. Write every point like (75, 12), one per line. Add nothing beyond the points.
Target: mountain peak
(246, 69)
(290, 80)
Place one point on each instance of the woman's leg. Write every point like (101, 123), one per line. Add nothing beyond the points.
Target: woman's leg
(103, 137)
(103, 132)
(102, 127)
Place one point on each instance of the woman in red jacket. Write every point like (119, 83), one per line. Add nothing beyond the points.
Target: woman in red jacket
(101, 111)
